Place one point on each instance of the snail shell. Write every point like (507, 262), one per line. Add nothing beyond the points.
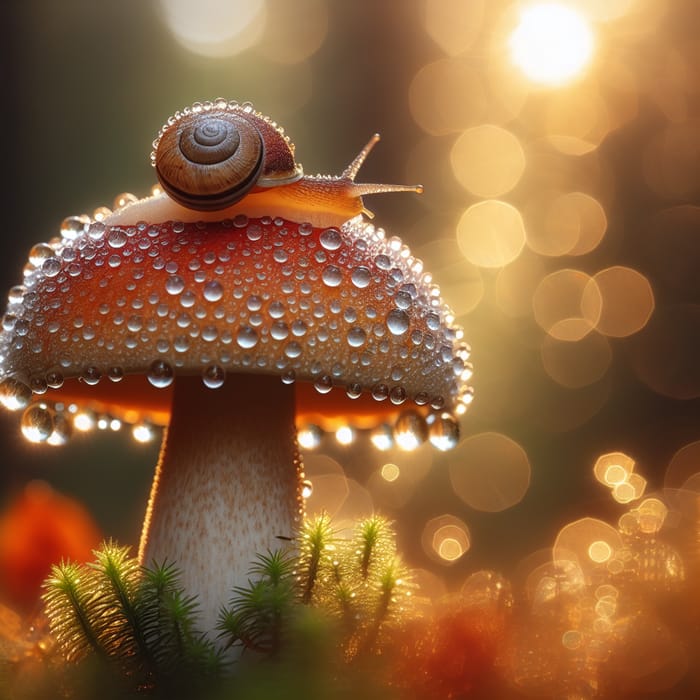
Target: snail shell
(211, 155)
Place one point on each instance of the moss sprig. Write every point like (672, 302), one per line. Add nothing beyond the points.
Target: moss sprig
(136, 620)
(138, 624)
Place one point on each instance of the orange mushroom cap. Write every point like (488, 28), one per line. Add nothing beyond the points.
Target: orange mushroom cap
(334, 307)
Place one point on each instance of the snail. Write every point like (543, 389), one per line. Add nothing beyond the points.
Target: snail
(218, 159)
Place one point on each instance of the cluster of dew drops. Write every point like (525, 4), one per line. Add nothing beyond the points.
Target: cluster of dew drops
(52, 423)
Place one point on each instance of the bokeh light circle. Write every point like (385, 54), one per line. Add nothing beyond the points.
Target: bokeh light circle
(490, 472)
(627, 300)
(573, 223)
(487, 160)
(215, 28)
(567, 304)
(446, 539)
(587, 542)
(491, 233)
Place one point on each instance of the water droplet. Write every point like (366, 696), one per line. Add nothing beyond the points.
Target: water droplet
(254, 303)
(299, 328)
(403, 300)
(143, 432)
(37, 423)
(115, 374)
(90, 375)
(345, 435)
(96, 231)
(323, 384)
(181, 343)
(160, 374)
(14, 395)
(174, 284)
(361, 277)
(432, 320)
(305, 229)
(279, 330)
(213, 376)
(410, 430)
(437, 402)
(309, 437)
(62, 430)
(213, 291)
(289, 377)
(51, 267)
(307, 489)
(85, 420)
(116, 238)
(73, 269)
(276, 309)
(38, 385)
(254, 232)
(332, 276)
(16, 294)
(382, 437)
(356, 337)
(443, 431)
(280, 255)
(40, 253)
(397, 395)
(54, 380)
(247, 337)
(331, 239)
(292, 350)
(383, 262)
(73, 226)
(354, 390)
(397, 321)
(187, 299)
(380, 392)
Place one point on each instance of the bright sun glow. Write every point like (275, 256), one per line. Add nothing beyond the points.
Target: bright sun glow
(552, 44)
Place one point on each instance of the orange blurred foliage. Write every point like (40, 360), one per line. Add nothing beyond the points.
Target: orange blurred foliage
(40, 527)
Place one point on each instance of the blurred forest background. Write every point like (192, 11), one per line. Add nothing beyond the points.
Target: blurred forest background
(560, 219)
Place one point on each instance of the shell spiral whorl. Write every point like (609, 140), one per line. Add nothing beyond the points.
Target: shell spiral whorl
(209, 160)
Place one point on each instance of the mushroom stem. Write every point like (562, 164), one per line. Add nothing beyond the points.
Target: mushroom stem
(227, 484)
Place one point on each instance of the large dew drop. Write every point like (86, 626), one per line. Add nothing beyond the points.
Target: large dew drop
(361, 277)
(14, 395)
(332, 276)
(443, 431)
(213, 376)
(37, 423)
(356, 337)
(213, 291)
(160, 374)
(410, 431)
(397, 322)
(247, 337)
(331, 239)
(116, 238)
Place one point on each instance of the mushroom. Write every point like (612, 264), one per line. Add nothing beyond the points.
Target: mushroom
(239, 298)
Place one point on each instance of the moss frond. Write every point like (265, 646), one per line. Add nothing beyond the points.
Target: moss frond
(316, 555)
(140, 625)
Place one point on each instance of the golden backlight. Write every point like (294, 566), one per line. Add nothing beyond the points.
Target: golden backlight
(552, 44)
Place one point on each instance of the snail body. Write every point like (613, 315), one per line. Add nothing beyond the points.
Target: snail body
(218, 159)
